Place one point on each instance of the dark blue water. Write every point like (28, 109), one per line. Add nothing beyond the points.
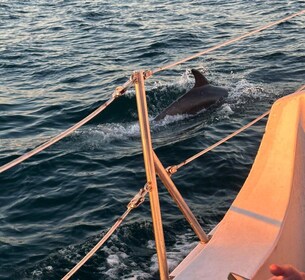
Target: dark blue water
(59, 60)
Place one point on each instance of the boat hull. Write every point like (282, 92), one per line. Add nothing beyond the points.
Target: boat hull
(265, 223)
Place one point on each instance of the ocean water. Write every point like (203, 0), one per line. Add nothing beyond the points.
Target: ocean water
(61, 59)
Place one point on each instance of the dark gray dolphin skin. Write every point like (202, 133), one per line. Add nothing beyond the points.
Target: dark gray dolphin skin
(201, 96)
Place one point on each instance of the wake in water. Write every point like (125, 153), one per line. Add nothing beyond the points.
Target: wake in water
(242, 93)
(114, 260)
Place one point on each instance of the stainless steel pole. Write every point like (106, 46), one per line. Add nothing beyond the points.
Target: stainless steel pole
(151, 174)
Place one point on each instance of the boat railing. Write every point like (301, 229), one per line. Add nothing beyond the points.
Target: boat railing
(153, 165)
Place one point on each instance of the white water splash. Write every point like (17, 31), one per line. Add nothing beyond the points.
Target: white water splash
(168, 120)
(225, 111)
(244, 89)
(180, 249)
(93, 137)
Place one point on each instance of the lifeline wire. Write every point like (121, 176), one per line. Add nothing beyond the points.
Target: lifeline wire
(96, 247)
(173, 169)
(120, 90)
(300, 89)
(226, 43)
(136, 201)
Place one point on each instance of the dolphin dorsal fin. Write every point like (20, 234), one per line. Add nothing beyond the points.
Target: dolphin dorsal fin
(200, 80)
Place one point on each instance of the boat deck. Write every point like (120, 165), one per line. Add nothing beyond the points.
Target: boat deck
(265, 223)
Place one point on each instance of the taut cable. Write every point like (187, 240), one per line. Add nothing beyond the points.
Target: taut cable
(226, 43)
(136, 201)
(119, 91)
(173, 169)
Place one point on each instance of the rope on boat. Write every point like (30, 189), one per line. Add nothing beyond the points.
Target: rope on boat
(136, 201)
(117, 93)
(300, 89)
(226, 43)
(173, 169)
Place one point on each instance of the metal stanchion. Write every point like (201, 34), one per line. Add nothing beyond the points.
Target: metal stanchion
(151, 174)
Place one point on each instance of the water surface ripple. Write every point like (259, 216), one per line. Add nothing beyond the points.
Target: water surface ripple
(61, 59)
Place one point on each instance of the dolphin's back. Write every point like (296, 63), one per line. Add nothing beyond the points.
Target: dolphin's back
(201, 96)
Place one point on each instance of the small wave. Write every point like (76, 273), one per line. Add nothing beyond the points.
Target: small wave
(125, 256)
(94, 137)
(169, 119)
(225, 111)
(245, 90)
(183, 245)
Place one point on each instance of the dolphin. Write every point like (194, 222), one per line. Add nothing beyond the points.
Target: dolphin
(201, 96)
